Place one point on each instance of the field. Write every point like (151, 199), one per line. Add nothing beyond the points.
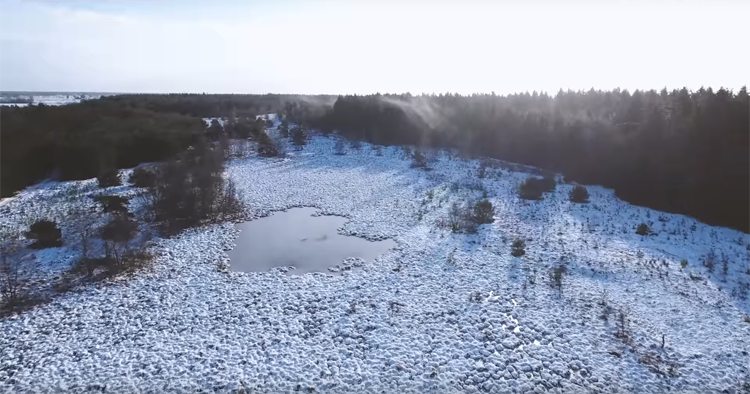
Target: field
(443, 312)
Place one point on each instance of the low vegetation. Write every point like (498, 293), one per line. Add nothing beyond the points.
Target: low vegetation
(643, 229)
(533, 188)
(518, 248)
(579, 195)
(466, 217)
(46, 234)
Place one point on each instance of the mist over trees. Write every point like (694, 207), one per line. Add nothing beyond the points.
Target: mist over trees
(678, 151)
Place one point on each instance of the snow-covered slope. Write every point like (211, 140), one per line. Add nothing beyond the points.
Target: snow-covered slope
(443, 312)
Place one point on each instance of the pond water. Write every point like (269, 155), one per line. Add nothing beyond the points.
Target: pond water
(295, 238)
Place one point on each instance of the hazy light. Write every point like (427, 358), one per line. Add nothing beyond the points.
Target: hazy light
(369, 46)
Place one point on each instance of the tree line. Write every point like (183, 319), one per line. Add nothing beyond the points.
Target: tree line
(84, 140)
(679, 151)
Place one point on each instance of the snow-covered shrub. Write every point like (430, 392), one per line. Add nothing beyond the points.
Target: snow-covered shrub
(709, 261)
(46, 235)
(461, 219)
(518, 248)
(109, 178)
(579, 194)
(418, 159)
(484, 212)
(556, 276)
(643, 229)
(339, 147)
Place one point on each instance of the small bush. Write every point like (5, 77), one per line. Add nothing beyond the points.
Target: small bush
(643, 229)
(46, 233)
(709, 261)
(460, 219)
(113, 204)
(533, 188)
(484, 212)
(548, 184)
(518, 248)
(418, 159)
(109, 178)
(579, 194)
(339, 147)
(141, 177)
(683, 263)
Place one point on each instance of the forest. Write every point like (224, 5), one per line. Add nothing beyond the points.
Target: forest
(84, 140)
(679, 151)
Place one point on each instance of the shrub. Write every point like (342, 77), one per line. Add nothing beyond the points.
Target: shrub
(556, 276)
(142, 177)
(643, 229)
(518, 248)
(117, 234)
(709, 261)
(339, 147)
(46, 233)
(533, 188)
(683, 263)
(113, 204)
(461, 220)
(10, 274)
(484, 212)
(579, 194)
(548, 183)
(418, 159)
(109, 178)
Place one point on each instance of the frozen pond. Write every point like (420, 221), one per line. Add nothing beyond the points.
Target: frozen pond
(296, 238)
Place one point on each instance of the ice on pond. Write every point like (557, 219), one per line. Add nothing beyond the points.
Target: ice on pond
(296, 238)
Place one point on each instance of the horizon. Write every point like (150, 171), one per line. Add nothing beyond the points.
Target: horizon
(338, 48)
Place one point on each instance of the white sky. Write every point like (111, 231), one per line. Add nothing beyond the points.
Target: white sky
(366, 46)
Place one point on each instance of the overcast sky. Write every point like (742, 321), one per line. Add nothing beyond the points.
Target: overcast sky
(367, 46)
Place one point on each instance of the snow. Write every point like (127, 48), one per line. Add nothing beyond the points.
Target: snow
(442, 312)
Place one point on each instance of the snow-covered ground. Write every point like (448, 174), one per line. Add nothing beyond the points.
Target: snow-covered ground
(442, 312)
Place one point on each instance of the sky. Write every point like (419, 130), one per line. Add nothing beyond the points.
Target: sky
(368, 46)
